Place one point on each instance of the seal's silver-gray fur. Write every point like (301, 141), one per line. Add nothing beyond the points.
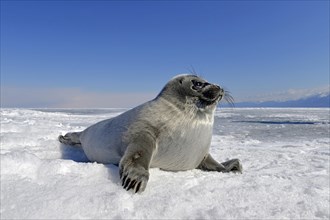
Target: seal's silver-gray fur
(172, 132)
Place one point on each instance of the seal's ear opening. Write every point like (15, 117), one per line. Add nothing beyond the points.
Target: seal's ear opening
(180, 81)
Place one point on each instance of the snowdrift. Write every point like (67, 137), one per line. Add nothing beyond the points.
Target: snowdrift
(285, 156)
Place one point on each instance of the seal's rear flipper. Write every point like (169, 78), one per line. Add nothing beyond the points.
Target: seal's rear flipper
(209, 164)
(71, 138)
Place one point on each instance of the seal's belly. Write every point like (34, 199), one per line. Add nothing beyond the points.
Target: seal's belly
(183, 149)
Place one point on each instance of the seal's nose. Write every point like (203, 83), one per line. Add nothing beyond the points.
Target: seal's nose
(221, 90)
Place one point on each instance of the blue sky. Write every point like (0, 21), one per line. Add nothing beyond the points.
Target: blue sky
(117, 54)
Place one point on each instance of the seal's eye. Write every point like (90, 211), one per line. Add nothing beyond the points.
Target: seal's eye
(197, 84)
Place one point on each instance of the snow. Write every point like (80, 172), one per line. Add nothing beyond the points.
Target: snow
(285, 155)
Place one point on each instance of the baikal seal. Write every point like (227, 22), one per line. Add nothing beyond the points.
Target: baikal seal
(172, 132)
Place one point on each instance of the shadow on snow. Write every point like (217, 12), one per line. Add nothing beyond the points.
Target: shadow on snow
(76, 153)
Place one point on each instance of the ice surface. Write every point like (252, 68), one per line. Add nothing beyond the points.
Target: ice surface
(285, 155)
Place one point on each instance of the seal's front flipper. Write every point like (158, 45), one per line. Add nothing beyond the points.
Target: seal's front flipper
(134, 165)
(209, 164)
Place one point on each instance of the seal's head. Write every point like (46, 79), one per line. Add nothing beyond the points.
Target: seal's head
(193, 90)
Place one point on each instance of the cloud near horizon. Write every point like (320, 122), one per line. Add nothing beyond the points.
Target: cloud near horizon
(288, 95)
(15, 97)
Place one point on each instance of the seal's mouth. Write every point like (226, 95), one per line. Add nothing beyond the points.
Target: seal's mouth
(214, 95)
(210, 96)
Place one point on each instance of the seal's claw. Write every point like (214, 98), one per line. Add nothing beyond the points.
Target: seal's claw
(134, 177)
(131, 185)
(138, 187)
(127, 182)
(123, 180)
